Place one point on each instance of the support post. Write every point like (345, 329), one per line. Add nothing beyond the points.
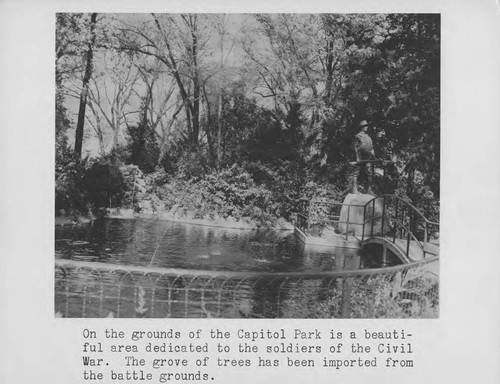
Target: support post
(384, 256)
(373, 215)
(396, 223)
(408, 236)
(364, 223)
(347, 224)
(425, 238)
(346, 298)
(308, 221)
(383, 217)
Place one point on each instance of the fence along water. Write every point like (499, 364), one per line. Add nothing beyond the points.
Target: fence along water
(95, 289)
(91, 289)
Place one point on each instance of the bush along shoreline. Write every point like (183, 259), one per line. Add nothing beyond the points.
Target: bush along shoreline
(253, 196)
(228, 198)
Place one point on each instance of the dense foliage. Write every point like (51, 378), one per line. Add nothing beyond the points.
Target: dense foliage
(230, 193)
(241, 115)
(103, 182)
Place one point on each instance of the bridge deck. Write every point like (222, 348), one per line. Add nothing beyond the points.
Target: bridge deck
(331, 239)
(331, 224)
(415, 252)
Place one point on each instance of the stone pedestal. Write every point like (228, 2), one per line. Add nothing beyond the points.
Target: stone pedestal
(353, 215)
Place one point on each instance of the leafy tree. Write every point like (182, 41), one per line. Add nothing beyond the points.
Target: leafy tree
(85, 82)
(179, 42)
(281, 97)
(111, 91)
(142, 145)
(413, 117)
(104, 184)
(67, 48)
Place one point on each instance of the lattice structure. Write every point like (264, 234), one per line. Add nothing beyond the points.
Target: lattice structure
(408, 227)
(87, 289)
(397, 221)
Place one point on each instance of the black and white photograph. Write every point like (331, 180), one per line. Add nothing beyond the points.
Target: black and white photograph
(247, 165)
(250, 192)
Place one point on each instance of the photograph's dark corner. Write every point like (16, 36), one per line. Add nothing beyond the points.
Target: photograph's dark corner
(247, 165)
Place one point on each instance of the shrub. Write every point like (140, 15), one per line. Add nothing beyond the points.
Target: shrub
(284, 181)
(142, 146)
(191, 163)
(230, 193)
(104, 184)
(235, 187)
(316, 191)
(69, 172)
(376, 297)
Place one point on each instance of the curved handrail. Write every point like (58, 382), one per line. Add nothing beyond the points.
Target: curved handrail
(407, 222)
(67, 264)
(327, 201)
(405, 202)
(413, 213)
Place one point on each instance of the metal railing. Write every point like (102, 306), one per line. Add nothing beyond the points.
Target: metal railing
(315, 216)
(92, 289)
(398, 221)
(387, 216)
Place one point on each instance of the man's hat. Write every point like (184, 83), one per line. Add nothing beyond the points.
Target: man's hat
(363, 123)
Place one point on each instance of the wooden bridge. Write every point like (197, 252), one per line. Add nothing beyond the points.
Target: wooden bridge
(385, 225)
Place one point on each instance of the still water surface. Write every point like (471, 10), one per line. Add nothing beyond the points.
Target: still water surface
(177, 245)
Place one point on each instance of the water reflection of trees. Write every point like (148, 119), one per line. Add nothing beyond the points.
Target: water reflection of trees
(90, 292)
(170, 244)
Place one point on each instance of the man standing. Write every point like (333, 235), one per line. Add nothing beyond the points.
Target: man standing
(363, 147)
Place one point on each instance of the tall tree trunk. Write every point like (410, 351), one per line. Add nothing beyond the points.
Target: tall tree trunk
(116, 138)
(98, 129)
(329, 70)
(165, 130)
(219, 129)
(196, 83)
(85, 83)
(208, 130)
(163, 150)
(219, 101)
(171, 63)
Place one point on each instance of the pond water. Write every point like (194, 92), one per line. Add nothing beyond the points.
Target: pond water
(169, 244)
